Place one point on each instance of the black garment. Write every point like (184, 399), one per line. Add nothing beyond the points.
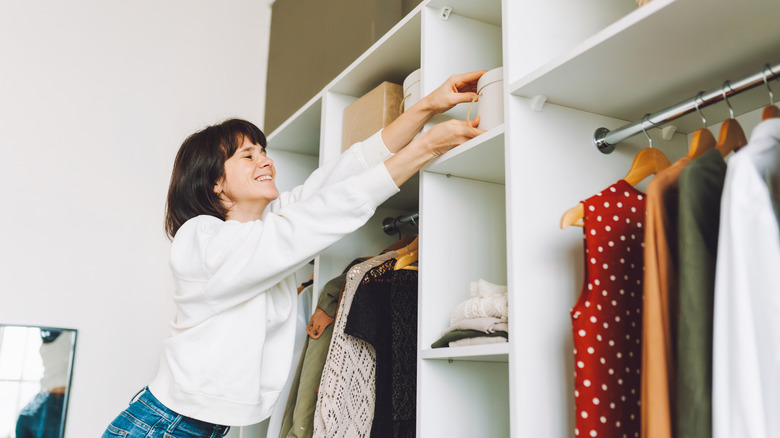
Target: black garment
(384, 314)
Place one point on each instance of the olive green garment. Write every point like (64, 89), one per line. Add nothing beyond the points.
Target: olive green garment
(298, 420)
(701, 185)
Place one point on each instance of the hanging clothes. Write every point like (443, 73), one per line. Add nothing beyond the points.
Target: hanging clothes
(304, 310)
(746, 332)
(607, 320)
(701, 185)
(345, 401)
(384, 314)
(298, 418)
(660, 291)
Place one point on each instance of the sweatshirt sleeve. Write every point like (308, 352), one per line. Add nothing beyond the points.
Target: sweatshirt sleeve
(358, 158)
(235, 261)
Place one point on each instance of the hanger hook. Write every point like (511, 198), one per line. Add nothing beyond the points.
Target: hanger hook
(763, 74)
(646, 117)
(723, 90)
(701, 114)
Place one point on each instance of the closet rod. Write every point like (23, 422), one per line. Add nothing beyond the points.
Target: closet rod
(390, 225)
(606, 140)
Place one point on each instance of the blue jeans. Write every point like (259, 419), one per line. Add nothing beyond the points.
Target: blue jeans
(146, 417)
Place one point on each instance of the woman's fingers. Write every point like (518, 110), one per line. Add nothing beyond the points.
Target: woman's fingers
(452, 133)
(472, 124)
(467, 82)
(458, 88)
(466, 97)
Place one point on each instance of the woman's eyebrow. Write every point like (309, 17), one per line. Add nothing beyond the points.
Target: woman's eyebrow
(251, 148)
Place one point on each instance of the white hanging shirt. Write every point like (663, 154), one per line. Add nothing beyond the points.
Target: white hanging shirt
(746, 344)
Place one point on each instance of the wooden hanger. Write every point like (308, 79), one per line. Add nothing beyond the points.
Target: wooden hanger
(702, 140)
(648, 161)
(407, 256)
(770, 111)
(402, 244)
(405, 261)
(573, 216)
(732, 136)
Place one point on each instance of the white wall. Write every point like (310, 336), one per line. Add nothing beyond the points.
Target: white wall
(95, 98)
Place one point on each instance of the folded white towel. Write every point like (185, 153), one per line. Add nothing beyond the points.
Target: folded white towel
(486, 289)
(488, 301)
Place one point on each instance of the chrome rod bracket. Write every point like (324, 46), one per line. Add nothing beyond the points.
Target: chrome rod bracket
(600, 139)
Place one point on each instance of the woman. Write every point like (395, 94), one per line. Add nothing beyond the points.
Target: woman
(236, 244)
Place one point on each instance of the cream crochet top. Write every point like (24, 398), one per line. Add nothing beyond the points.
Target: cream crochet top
(347, 394)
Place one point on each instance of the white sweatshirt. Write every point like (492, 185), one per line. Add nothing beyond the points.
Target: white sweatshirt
(232, 337)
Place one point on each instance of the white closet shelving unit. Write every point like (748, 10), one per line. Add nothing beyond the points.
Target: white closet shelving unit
(490, 208)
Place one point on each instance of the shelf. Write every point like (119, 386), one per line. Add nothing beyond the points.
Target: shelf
(660, 54)
(484, 10)
(392, 59)
(301, 132)
(481, 158)
(473, 353)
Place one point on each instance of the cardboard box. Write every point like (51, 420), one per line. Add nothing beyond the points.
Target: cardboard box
(372, 112)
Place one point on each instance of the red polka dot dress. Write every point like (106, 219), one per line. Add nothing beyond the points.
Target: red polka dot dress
(607, 319)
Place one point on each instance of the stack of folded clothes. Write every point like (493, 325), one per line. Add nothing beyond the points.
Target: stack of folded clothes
(482, 319)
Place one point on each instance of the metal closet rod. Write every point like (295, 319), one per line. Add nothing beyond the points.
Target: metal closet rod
(606, 140)
(390, 225)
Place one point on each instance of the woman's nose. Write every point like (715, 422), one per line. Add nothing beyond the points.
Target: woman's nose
(264, 161)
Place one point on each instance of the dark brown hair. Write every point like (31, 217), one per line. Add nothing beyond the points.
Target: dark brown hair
(199, 164)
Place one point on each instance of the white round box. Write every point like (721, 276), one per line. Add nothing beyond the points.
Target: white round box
(411, 89)
(490, 107)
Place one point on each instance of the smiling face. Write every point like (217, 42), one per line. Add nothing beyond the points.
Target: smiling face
(248, 185)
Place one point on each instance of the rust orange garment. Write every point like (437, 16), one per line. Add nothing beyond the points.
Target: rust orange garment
(607, 319)
(659, 331)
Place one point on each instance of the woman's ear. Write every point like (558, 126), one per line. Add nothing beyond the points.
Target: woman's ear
(218, 187)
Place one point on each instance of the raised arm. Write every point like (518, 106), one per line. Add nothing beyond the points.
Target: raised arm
(460, 88)
(399, 136)
(430, 144)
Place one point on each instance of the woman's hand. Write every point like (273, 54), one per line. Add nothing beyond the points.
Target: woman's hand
(431, 143)
(457, 89)
(446, 135)
(460, 88)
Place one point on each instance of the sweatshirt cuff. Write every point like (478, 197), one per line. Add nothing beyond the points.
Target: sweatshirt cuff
(373, 151)
(378, 185)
